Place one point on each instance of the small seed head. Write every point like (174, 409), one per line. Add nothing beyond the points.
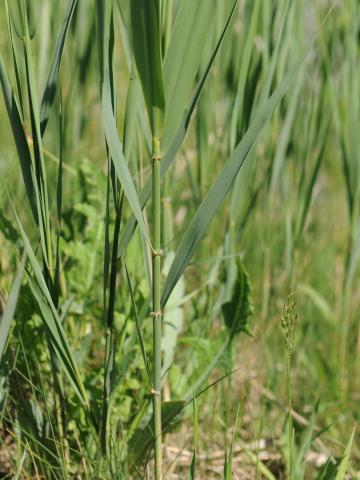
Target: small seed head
(289, 320)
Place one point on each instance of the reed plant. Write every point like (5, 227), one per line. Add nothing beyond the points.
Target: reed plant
(168, 166)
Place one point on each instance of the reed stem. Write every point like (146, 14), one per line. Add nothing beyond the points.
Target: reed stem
(157, 315)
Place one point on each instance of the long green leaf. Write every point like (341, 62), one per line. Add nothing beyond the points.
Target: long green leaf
(138, 327)
(15, 56)
(247, 52)
(217, 193)
(182, 60)
(9, 312)
(117, 156)
(52, 80)
(228, 468)
(133, 98)
(191, 474)
(19, 135)
(40, 181)
(192, 470)
(145, 26)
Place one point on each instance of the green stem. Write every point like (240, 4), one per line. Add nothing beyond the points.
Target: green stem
(156, 274)
(290, 423)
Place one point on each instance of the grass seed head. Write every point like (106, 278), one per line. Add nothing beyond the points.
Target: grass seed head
(289, 320)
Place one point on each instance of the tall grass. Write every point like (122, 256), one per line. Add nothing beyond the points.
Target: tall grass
(171, 170)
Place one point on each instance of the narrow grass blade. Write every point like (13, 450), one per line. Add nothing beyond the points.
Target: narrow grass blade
(133, 98)
(284, 136)
(20, 466)
(183, 58)
(41, 190)
(304, 446)
(15, 8)
(277, 50)
(52, 80)
(138, 328)
(217, 193)
(15, 57)
(311, 183)
(191, 475)
(263, 469)
(346, 458)
(21, 143)
(118, 159)
(9, 312)
(229, 458)
(59, 199)
(328, 471)
(145, 27)
(248, 50)
(192, 471)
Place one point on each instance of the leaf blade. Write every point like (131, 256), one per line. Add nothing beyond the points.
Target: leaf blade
(117, 156)
(145, 27)
(52, 80)
(9, 311)
(217, 193)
